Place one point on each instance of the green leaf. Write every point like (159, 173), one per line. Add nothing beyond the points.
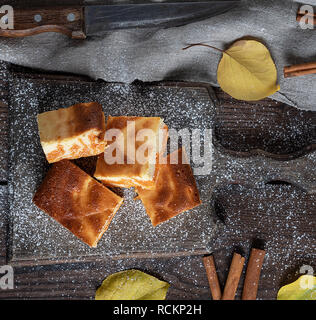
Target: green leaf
(304, 288)
(247, 71)
(132, 285)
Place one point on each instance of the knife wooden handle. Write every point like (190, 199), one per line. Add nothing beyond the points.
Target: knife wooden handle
(27, 22)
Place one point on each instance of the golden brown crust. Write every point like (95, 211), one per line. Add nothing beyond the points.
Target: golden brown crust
(129, 175)
(175, 191)
(77, 201)
(89, 118)
(73, 132)
(81, 117)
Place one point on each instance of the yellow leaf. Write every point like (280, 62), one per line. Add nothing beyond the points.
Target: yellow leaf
(304, 288)
(247, 72)
(132, 285)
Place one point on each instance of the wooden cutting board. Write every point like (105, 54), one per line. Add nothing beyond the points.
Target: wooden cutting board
(34, 236)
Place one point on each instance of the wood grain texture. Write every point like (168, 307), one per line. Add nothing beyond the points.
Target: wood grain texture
(241, 128)
(80, 280)
(277, 217)
(238, 210)
(266, 127)
(3, 121)
(3, 223)
(132, 232)
(44, 3)
(31, 21)
(186, 274)
(226, 169)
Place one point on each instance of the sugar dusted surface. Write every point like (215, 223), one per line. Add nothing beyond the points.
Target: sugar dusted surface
(36, 235)
(283, 216)
(3, 115)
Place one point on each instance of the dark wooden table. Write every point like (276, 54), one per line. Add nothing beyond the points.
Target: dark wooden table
(241, 129)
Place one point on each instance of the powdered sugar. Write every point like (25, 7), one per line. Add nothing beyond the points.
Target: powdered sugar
(37, 235)
(281, 215)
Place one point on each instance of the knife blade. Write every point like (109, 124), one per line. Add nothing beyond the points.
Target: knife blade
(100, 19)
(96, 20)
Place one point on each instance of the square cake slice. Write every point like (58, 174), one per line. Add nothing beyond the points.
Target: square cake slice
(71, 133)
(77, 201)
(175, 190)
(130, 158)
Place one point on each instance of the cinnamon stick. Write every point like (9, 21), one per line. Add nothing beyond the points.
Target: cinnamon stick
(253, 274)
(210, 269)
(300, 70)
(233, 278)
(304, 15)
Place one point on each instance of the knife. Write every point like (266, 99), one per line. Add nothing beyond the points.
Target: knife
(96, 20)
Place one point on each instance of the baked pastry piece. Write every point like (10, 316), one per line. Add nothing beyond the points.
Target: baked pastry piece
(77, 201)
(175, 191)
(71, 133)
(131, 168)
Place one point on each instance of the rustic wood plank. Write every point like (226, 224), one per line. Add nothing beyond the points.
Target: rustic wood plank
(3, 223)
(44, 3)
(285, 251)
(53, 19)
(3, 120)
(277, 216)
(243, 128)
(186, 274)
(282, 132)
(132, 233)
(40, 3)
(48, 85)
(79, 281)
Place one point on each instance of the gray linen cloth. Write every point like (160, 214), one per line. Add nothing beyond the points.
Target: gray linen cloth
(155, 54)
